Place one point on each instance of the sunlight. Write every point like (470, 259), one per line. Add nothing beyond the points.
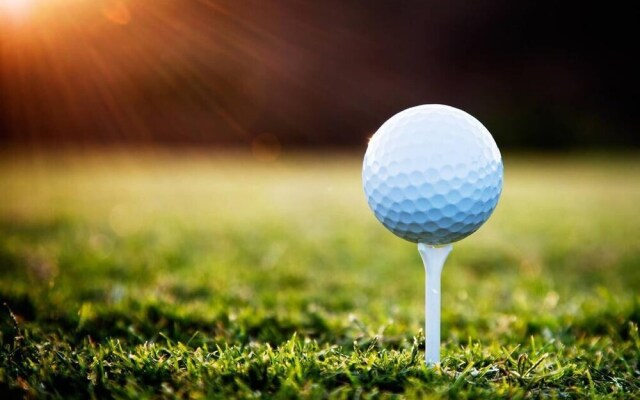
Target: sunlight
(16, 8)
(117, 12)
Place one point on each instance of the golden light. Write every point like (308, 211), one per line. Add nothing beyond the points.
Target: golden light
(17, 9)
(136, 69)
(117, 12)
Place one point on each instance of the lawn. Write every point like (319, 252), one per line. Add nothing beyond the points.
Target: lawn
(148, 274)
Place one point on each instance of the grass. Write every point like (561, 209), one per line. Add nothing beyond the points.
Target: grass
(146, 275)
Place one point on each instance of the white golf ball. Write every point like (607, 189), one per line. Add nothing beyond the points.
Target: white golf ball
(432, 174)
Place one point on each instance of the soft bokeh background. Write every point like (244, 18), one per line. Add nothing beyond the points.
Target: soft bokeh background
(307, 73)
(181, 211)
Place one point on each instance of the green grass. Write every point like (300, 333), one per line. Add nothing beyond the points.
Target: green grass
(199, 275)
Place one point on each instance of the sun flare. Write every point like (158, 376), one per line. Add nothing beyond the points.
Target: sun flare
(16, 8)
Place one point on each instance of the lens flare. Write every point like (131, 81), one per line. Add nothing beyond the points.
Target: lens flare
(17, 9)
(117, 12)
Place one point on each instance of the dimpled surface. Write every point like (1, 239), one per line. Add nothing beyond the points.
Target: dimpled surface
(432, 174)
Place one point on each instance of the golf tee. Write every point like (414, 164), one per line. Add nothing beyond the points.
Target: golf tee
(433, 258)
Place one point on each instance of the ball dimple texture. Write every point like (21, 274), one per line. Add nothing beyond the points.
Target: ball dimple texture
(432, 174)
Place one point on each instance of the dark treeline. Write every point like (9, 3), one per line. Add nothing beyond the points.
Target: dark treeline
(316, 73)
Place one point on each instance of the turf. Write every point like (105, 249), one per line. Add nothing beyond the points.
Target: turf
(194, 275)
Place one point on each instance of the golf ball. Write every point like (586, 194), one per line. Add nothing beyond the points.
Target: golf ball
(432, 174)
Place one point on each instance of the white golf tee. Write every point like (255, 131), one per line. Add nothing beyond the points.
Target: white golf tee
(433, 258)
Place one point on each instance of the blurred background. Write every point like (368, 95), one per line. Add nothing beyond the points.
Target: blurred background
(292, 73)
